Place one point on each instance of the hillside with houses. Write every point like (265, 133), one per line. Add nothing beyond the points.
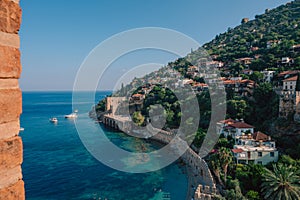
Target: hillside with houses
(259, 66)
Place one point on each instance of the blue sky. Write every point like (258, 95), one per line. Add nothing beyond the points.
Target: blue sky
(57, 35)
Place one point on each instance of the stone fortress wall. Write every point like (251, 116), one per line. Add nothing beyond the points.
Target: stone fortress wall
(11, 148)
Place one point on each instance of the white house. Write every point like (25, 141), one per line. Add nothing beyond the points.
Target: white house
(233, 128)
(268, 75)
(256, 148)
(289, 84)
(286, 60)
(222, 124)
(238, 129)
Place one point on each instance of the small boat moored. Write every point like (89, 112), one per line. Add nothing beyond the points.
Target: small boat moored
(53, 120)
(72, 115)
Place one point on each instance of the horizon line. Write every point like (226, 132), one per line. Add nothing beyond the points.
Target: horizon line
(67, 90)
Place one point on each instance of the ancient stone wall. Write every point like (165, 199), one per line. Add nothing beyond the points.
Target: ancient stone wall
(112, 104)
(204, 192)
(11, 148)
(286, 103)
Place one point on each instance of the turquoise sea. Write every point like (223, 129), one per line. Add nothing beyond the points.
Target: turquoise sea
(58, 166)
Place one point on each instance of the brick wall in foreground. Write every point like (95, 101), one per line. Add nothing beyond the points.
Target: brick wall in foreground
(11, 148)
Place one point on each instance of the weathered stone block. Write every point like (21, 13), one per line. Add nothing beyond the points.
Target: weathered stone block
(9, 39)
(13, 192)
(10, 177)
(11, 153)
(10, 104)
(10, 64)
(10, 16)
(9, 129)
(9, 84)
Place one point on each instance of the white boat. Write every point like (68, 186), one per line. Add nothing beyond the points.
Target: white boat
(71, 116)
(53, 120)
(22, 129)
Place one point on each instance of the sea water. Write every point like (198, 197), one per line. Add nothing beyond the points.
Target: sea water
(58, 166)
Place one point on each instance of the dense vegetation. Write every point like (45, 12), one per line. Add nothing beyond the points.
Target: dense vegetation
(277, 29)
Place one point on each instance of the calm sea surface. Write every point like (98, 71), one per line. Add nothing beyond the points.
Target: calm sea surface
(58, 166)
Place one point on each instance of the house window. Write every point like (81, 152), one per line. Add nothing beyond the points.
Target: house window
(291, 87)
(259, 154)
(242, 161)
(272, 154)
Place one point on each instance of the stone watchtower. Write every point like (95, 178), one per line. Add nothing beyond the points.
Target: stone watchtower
(297, 107)
(289, 104)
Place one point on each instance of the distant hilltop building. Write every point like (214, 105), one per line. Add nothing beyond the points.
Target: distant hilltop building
(289, 104)
(245, 20)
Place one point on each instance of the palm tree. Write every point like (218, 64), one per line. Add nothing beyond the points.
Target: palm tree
(283, 183)
(214, 162)
(225, 159)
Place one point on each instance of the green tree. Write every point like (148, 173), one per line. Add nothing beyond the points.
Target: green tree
(265, 101)
(237, 108)
(214, 161)
(170, 116)
(281, 183)
(234, 191)
(138, 118)
(297, 62)
(286, 159)
(252, 195)
(236, 68)
(258, 65)
(226, 158)
(256, 76)
(199, 138)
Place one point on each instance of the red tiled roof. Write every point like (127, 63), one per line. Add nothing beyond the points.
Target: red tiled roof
(260, 136)
(241, 125)
(227, 82)
(242, 59)
(214, 151)
(237, 150)
(137, 95)
(296, 46)
(294, 78)
(230, 82)
(287, 73)
(228, 121)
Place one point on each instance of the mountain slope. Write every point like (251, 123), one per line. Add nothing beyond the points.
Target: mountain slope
(267, 38)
